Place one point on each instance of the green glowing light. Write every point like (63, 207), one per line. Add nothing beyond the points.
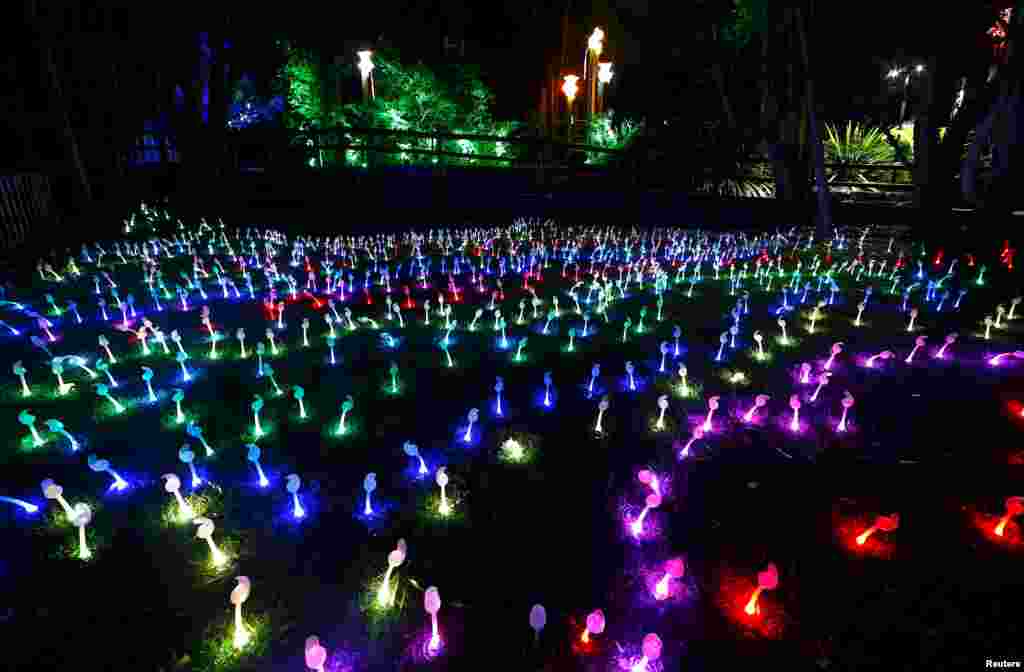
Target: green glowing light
(217, 653)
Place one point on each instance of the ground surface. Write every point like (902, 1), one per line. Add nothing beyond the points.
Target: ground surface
(933, 440)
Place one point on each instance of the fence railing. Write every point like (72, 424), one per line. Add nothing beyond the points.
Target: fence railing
(25, 202)
(373, 148)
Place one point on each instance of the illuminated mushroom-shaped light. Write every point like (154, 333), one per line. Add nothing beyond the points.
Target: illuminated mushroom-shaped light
(663, 405)
(836, 349)
(651, 650)
(602, 406)
(238, 596)
(1014, 507)
(759, 402)
(847, 403)
(883, 524)
(767, 579)
(443, 508)
(99, 466)
(595, 625)
(794, 403)
(316, 655)
(386, 596)
(253, 455)
(55, 492)
(369, 485)
(172, 484)
(712, 407)
(432, 604)
(674, 569)
(292, 483)
(949, 340)
(412, 450)
(82, 517)
(473, 416)
(204, 531)
(636, 526)
(604, 72)
(538, 619)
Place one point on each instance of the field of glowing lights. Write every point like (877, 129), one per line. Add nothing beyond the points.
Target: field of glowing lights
(565, 447)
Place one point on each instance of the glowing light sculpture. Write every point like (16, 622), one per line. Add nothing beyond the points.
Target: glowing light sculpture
(538, 619)
(238, 597)
(885, 354)
(629, 373)
(105, 344)
(196, 432)
(860, 311)
(386, 596)
(822, 382)
(82, 518)
(29, 421)
(595, 371)
(27, 507)
(172, 484)
(299, 393)
(651, 649)
(767, 579)
(346, 406)
(412, 450)
(204, 531)
(698, 433)
(602, 406)
(305, 332)
(881, 524)
(147, 375)
(794, 403)
(950, 339)
(784, 339)
(444, 508)
(919, 343)
(674, 569)
(1014, 507)
(432, 604)
(178, 396)
(316, 655)
(499, 387)
(847, 403)
(547, 389)
(254, 456)
(57, 427)
(292, 483)
(186, 455)
(712, 407)
(19, 371)
(393, 370)
(369, 485)
(181, 358)
(663, 405)
(519, 349)
(473, 416)
(57, 366)
(837, 348)
(594, 625)
(759, 402)
(636, 527)
(55, 492)
(240, 335)
(257, 406)
(100, 466)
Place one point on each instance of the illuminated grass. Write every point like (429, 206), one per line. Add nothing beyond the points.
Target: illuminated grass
(381, 617)
(202, 503)
(765, 358)
(217, 652)
(205, 570)
(352, 428)
(518, 449)
(735, 377)
(430, 509)
(692, 391)
(66, 547)
(269, 429)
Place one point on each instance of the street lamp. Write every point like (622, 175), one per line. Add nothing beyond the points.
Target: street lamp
(604, 77)
(570, 89)
(365, 66)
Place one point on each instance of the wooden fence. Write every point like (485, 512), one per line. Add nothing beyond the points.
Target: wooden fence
(26, 203)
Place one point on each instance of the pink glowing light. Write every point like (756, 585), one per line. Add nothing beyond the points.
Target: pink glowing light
(836, 349)
(649, 478)
(674, 569)
(595, 625)
(805, 373)
(698, 433)
(759, 402)
(885, 354)
(847, 405)
(316, 655)
(918, 344)
(794, 403)
(652, 652)
(712, 407)
(997, 360)
(941, 354)
(767, 579)
(636, 527)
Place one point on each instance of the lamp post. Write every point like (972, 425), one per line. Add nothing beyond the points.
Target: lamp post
(570, 89)
(906, 73)
(604, 77)
(595, 45)
(365, 66)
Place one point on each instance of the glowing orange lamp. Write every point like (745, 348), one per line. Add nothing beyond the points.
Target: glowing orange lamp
(767, 579)
(1014, 507)
(883, 524)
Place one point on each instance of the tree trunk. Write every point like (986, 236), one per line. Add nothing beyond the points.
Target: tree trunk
(824, 228)
(69, 132)
(969, 169)
(1006, 126)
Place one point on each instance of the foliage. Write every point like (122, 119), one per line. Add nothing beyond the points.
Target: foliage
(298, 82)
(856, 144)
(250, 109)
(748, 18)
(602, 131)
